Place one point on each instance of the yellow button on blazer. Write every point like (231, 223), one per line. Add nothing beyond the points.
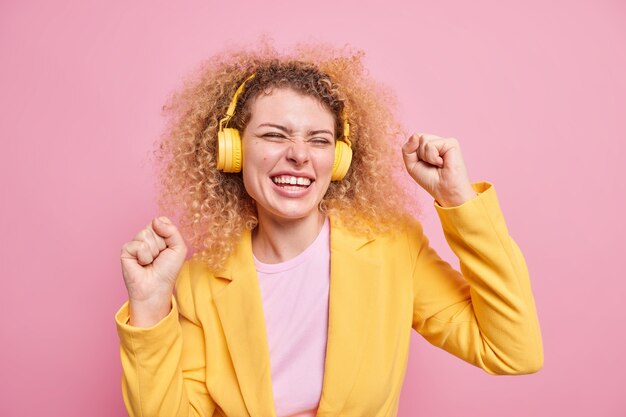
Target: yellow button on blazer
(209, 356)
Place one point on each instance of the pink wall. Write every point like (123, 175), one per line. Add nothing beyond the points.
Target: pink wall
(536, 93)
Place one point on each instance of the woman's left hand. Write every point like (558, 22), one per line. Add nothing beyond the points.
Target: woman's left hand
(436, 164)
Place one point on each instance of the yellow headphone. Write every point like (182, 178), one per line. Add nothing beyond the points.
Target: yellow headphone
(229, 154)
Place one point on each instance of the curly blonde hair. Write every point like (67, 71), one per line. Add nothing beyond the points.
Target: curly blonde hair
(213, 207)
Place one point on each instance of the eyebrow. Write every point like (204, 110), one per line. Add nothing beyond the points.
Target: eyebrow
(289, 131)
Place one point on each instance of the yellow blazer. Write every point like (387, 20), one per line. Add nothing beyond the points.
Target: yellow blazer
(209, 356)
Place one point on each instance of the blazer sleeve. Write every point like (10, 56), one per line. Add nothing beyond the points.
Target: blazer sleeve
(486, 314)
(163, 367)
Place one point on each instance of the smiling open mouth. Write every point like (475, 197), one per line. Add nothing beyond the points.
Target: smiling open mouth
(291, 181)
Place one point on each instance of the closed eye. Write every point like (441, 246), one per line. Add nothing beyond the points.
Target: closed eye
(320, 141)
(273, 135)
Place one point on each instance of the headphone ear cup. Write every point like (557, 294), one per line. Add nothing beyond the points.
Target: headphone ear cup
(236, 152)
(229, 155)
(221, 151)
(343, 158)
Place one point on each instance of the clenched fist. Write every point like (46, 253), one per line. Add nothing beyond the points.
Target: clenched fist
(150, 265)
(436, 164)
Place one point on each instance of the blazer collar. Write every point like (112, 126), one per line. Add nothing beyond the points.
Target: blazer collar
(241, 314)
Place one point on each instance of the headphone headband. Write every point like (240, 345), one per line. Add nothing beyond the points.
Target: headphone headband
(231, 108)
(346, 128)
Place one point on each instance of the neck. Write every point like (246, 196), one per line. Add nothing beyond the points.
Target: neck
(278, 240)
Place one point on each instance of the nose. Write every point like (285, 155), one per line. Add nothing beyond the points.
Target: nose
(298, 153)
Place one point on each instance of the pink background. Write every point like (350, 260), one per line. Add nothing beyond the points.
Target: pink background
(535, 92)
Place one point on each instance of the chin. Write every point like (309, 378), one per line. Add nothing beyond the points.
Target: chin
(293, 213)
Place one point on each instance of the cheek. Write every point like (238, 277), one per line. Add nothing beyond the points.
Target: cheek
(254, 170)
(258, 155)
(326, 162)
(252, 186)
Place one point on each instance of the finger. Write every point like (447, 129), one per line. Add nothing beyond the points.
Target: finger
(160, 242)
(144, 254)
(429, 136)
(411, 144)
(164, 228)
(152, 237)
(444, 145)
(448, 142)
(138, 251)
(156, 242)
(147, 236)
(431, 150)
(409, 154)
(428, 150)
(129, 250)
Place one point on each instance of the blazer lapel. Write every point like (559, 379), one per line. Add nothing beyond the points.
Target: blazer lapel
(240, 309)
(351, 288)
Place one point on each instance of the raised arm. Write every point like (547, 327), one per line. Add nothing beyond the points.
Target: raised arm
(486, 314)
(161, 346)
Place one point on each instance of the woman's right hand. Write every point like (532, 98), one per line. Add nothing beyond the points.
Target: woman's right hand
(150, 265)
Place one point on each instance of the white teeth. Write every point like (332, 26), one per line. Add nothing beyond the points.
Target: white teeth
(291, 180)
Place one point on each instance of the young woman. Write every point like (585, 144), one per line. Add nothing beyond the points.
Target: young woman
(309, 270)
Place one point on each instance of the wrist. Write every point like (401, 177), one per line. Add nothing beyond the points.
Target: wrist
(147, 313)
(456, 199)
